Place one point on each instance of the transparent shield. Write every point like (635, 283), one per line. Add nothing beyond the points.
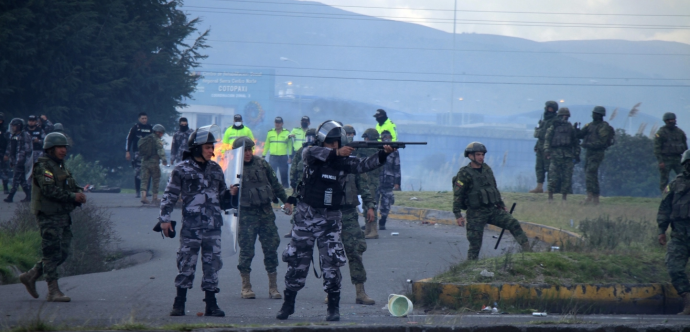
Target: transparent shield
(28, 168)
(233, 176)
(208, 134)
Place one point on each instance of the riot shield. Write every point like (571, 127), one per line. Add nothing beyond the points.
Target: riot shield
(29, 167)
(233, 176)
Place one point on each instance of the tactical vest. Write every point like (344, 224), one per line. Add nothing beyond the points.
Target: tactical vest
(63, 180)
(484, 191)
(321, 188)
(351, 199)
(673, 144)
(14, 145)
(680, 206)
(36, 133)
(593, 135)
(148, 147)
(256, 189)
(562, 135)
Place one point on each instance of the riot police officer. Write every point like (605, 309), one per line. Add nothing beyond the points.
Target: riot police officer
(18, 152)
(37, 135)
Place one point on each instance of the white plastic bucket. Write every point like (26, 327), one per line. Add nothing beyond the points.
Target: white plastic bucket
(399, 305)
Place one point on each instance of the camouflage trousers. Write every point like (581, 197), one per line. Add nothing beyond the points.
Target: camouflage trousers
(136, 165)
(56, 238)
(258, 221)
(355, 245)
(191, 240)
(315, 225)
(561, 175)
(5, 170)
(384, 199)
(593, 160)
(151, 170)
(19, 180)
(541, 167)
(677, 256)
(671, 163)
(477, 220)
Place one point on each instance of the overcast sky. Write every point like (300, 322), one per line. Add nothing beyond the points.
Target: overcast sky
(522, 24)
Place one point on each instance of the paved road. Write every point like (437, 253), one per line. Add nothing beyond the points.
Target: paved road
(145, 292)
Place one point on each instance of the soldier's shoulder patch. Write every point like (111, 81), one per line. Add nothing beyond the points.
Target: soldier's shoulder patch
(459, 183)
(47, 173)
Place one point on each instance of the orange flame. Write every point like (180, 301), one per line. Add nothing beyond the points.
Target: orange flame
(224, 160)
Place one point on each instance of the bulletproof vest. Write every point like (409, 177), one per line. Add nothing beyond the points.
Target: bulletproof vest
(563, 135)
(593, 136)
(680, 206)
(321, 188)
(256, 189)
(14, 145)
(673, 143)
(540, 131)
(351, 191)
(141, 132)
(36, 133)
(63, 180)
(484, 191)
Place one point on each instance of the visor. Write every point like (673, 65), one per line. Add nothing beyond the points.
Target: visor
(207, 134)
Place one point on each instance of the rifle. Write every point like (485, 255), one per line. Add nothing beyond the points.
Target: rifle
(379, 145)
(512, 208)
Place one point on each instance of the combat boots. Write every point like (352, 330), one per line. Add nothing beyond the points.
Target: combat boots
(550, 196)
(382, 223)
(144, 200)
(539, 189)
(9, 198)
(362, 297)
(27, 198)
(29, 279)
(6, 187)
(212, 308)
(371, 232)
(247, 292)
(333, 307)
(288, 307)
(155, 200)
(54, 293)
(686, 304)
(273, 292)
(180, 299)
(526, 247)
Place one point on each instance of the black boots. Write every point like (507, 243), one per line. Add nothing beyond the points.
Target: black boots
(333, 307)
(382, 223)
(180, 299)
(6, 187)
(28, 196)
(288, 307)
(9, 198)
(212, 308)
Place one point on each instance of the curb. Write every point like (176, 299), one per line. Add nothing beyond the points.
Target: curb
(548, 234)
(584, 298)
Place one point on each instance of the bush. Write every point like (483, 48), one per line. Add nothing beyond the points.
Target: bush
(86, 172)
(619, 235)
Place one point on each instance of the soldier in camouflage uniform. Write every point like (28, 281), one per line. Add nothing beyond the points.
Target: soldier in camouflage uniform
(179, 141)
(18, 151)
(669, 144)
(201, 183)
(542, 165)
(297, 168)
(389, 180)
(475, 190)
(675, 210)
(4, 164)
(259, 186)
(55, 195)
(562, 149)
(318, 215)
(371, 134)
(596, 137)
(152, 152)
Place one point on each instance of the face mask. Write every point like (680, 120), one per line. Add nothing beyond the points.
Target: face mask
(237, 124)
(686, 166)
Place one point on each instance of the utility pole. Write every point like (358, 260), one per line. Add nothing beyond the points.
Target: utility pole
(452, 66)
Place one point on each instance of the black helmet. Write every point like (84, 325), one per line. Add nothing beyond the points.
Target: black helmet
(474, 147)
(551, 104)
(17, 122)
(310, 137)
(203, 135)
(248, 143)
(330, 130)
(669, 116)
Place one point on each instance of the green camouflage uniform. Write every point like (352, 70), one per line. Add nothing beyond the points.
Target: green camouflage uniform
(151, 152)
(352, 236)
(475, 190)
(675, 210)
(669, 144)
(542, 165)
(561, 145)
(595, 137)
(259, 186)
(53, 193)
(374, 176)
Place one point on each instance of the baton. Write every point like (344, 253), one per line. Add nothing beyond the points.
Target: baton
(512, 208)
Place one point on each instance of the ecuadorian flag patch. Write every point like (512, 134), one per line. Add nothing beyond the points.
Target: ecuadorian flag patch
(48, 174)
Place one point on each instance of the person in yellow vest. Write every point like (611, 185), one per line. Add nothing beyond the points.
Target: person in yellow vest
(384, 123)
(237, 130)
(278, 144)
(298, 134)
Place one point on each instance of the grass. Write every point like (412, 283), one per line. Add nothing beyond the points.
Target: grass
(22, 250)
(536, 209)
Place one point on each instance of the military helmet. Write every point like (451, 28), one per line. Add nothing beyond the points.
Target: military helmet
(350, 129)
(54, 139)
(330, 129)
(158, 128)
(669, 116)
(371, 134)
(474, 147)
(563, 112)
(203, 135)
(686, 157)
(58, 127)
(248, 143)
(599, 110)
(17, 122)
(551, 104)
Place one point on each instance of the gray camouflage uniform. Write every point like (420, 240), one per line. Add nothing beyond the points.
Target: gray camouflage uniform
(388, 178)
(322, 224)
(18, 149)
(201, 189)
(179, 142)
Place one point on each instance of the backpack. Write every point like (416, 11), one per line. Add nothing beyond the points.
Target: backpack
(147, 147)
